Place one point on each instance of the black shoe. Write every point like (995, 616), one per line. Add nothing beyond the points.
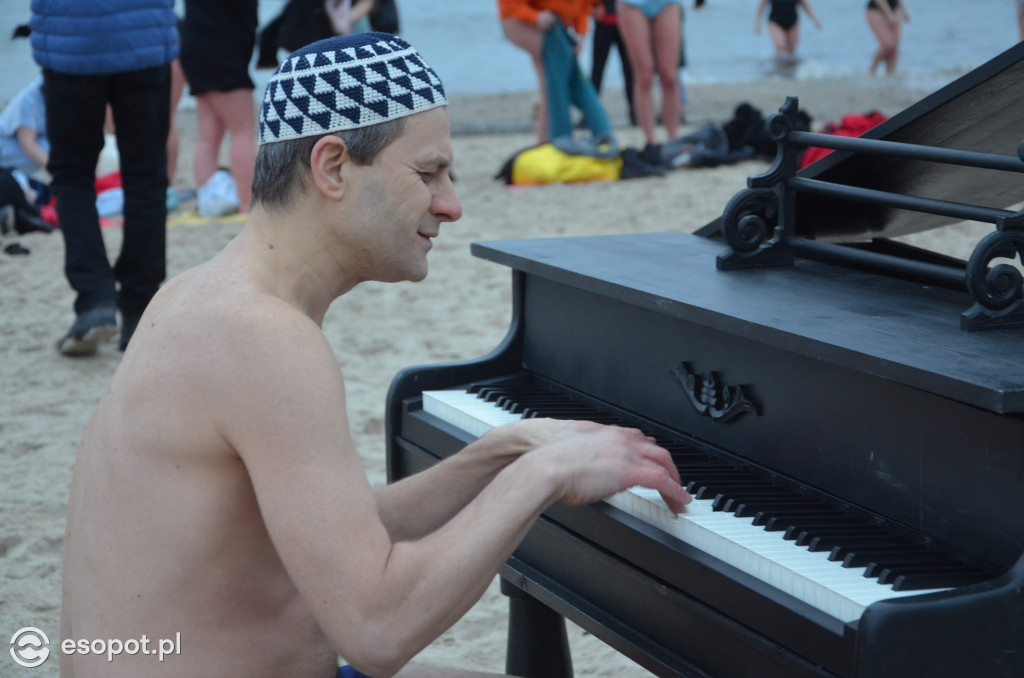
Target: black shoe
(7, 219)
(634, 167)
(129, 321)
(652, 155)
(27, 222)
(88, 331)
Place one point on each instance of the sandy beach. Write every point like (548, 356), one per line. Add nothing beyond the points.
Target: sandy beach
(461, 311)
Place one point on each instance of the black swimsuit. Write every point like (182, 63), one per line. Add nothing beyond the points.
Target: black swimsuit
(783, 13)
(893, 4)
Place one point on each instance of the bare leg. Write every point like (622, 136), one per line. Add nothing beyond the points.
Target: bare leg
(894, 49)
(666, 29)
(529, 39)
(779, 39)
(177, 87)
(636, 33)
(236, 111)
(792, 38)
(888, 35)
(211, 132)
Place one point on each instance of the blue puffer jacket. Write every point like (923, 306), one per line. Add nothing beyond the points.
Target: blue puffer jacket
(97, 37)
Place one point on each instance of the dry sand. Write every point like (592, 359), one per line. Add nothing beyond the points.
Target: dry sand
(460, 312)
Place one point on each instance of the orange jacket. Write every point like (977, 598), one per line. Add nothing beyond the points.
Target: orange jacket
(572, 13)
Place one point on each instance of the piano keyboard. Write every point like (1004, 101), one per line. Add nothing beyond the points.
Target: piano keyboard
(836, 562)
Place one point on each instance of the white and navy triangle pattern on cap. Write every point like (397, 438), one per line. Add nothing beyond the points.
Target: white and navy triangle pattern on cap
(347, 82)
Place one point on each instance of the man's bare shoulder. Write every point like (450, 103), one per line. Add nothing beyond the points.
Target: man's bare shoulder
(211, 339)
(213, 313)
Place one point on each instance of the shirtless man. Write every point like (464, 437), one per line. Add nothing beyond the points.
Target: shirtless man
(217, 492)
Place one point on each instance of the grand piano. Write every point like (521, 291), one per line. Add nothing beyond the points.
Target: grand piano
(847, 411)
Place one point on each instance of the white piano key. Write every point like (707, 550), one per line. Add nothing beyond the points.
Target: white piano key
(841, 592)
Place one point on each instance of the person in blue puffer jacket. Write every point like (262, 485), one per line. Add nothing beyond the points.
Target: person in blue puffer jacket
(94, 53)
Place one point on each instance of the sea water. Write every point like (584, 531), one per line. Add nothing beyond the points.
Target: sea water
(462, 39)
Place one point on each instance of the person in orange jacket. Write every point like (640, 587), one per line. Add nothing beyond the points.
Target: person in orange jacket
(524, 23)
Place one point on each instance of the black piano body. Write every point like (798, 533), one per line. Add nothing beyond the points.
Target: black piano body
(901, 414)
(851, 386)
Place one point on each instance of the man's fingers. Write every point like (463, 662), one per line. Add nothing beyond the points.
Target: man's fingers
(662, 457)
(655, 477)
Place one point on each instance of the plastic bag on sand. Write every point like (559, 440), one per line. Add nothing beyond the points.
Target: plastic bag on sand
(110, 202)
(218, 196)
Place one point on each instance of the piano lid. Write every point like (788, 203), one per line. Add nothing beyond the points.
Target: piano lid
(979, 111)
(852, 319)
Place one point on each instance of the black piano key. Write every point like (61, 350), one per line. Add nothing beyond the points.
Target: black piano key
(832, 519)
(709, 490)
(712, 490)
(890, 575)
(875, 563)
(840, 553)
(920, 582)
(753, 508)
(699, 470)
(721, 472)
(697, 460)
(854, 542)
(779, 497)
(805, 537)
(731, 502)
(777, 522)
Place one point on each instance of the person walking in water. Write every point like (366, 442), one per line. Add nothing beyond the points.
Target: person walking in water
(784, 26)
(884, 17)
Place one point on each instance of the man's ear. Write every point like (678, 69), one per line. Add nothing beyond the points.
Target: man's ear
(329, 161)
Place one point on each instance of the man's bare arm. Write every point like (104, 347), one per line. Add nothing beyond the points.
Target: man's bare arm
(419, 504)
(287, 421)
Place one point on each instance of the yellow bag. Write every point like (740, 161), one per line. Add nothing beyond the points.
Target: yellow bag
(545, 164)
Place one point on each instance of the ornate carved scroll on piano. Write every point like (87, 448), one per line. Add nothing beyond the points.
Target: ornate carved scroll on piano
(711, 398)
(758, 224)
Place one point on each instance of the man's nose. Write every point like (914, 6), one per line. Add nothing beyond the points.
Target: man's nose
(446, 205)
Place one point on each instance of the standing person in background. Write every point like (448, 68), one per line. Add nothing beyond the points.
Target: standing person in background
(1020, 17)
(173, 139)
(606, 34)
(652, 30)
(784, 26)
(524, 23)
(217, 41)
(95, 52)
(349, 16)
(884, 17)
(550, 31)
(23, 142)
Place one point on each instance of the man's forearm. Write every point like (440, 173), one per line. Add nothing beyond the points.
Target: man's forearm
(438, 578)
(418, 505)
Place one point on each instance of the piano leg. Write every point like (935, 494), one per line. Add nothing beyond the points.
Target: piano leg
(538, 646)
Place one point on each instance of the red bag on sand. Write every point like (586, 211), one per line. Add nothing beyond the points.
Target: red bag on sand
(107, 182)
(48, 213)
(852, 125)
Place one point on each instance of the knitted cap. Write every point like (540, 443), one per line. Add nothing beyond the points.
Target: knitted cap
(347, 82)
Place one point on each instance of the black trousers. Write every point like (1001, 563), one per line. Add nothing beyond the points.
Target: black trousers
(75, 110)
(604, 37)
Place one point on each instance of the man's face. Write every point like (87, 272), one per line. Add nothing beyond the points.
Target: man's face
(401, 200)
